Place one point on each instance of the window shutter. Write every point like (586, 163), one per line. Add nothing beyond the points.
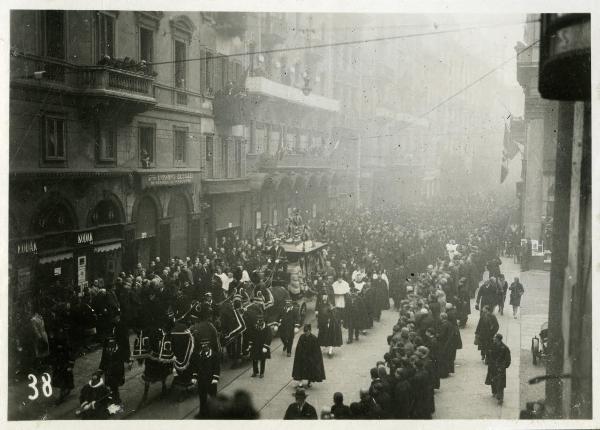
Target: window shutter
(202, 70)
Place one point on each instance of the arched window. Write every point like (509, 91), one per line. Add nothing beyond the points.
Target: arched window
(105, 212)
(52, 217)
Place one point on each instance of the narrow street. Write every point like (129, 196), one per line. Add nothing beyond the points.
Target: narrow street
(470, 371)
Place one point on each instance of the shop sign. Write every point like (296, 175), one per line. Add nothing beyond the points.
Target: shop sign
(81, 270)
(27, 247)
(81, 275)
(166, 179)
(86, 237)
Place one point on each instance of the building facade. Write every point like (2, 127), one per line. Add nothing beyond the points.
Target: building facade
(540, 124)
(107, 142)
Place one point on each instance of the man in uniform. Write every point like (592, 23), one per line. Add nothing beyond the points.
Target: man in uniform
(207, 370)
(288, 326)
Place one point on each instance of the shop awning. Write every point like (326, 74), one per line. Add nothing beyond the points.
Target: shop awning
(107, 247)
(56, 257)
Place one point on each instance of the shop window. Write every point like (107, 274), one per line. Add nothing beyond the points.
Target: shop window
(54, 33)
(180, 146)
(54, 139)
(147, 144)
(105, 35)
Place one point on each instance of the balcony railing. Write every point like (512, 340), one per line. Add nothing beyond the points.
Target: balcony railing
(102, 78)
(265, 87)
(85, 80)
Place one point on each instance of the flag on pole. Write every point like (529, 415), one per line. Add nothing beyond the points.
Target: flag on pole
(510, 146)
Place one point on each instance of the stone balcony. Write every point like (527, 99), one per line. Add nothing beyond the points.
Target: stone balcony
(97, 85)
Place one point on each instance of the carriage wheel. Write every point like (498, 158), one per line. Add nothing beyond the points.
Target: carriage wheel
(535, 349)
(303, 313)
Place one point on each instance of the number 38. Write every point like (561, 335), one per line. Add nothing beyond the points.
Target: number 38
(46, 386)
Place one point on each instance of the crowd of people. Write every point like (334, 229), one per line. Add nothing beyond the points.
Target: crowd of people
(431, 279)
(429, 259)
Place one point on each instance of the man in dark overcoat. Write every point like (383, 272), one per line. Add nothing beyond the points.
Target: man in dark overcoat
(487, 327)
(288, 326)
(498, 362)
(260, 347)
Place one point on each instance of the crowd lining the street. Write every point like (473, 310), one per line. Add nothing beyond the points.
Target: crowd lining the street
(429, 259)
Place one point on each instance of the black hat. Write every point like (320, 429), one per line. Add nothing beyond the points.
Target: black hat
(300, 393)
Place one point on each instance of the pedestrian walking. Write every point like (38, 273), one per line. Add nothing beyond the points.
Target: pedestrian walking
(300, 409)
(498, 362)
(288, 326)
(260, 347)
(330, 329)
(207, 371)
(487, 295)
(501, 289)
(308, 359)
(487, 327)
(115, 353)
(516, 291)
(352, 317)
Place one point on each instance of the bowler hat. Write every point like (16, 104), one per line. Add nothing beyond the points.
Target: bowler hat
(300, 393)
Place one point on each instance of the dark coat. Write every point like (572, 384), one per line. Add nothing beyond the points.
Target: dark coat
(308, 412)
(115, 353)
(356, 313)
(487, 327)
(449, 337)
(421, 395)
(402, 400)
(487, 295)
(383, 295)
(330, 329)
(516, 291)
(341, 412)
(288, 321)
(498, 362)
(260, 339)
(308, 359)
(63, 361)
(372, 305)
(101, 395)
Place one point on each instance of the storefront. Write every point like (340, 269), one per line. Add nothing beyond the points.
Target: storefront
(227, 215)
(178, 213)
(146, 231)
